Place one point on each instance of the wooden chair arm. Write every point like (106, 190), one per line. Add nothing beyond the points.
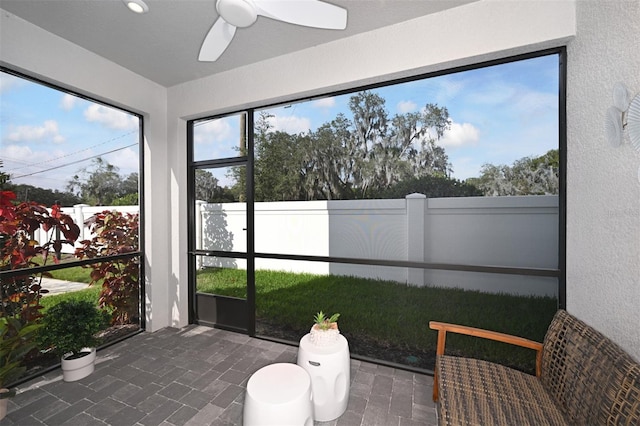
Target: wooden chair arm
(443, 328)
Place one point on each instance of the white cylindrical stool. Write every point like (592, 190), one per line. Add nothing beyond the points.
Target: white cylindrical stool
(330, 370)
(278, 395)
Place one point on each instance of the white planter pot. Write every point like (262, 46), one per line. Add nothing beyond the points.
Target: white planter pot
(3, 404)
(324, 337)
(78, 368)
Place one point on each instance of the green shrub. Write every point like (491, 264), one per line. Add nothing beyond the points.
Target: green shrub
(71, 326)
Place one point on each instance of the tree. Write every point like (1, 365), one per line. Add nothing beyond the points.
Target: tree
(328, 171)
(126, 200)
(431, 186)
(129, 192)
(43, 196)
(4, 178)
(100, 184)
(209, 190)
(527, 176)
(129, 185)
(387, 150)
(353, 157)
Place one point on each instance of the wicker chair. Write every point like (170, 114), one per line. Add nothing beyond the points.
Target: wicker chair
(582, 378)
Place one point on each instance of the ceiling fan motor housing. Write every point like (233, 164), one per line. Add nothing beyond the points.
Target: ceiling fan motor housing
(239, 13)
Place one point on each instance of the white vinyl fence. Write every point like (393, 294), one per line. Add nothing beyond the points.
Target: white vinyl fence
(485, 231)
(80, 213)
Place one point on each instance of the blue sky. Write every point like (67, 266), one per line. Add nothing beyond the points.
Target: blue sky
(499, 114)
(48, 135)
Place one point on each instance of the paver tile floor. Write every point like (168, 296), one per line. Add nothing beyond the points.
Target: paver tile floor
(197, 376)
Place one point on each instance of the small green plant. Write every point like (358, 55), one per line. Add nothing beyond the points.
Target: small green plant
(16, 341)
(71, 326)
(323, 322)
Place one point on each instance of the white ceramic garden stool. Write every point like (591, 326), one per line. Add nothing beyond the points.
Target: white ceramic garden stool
(330, 370)
(278, 395)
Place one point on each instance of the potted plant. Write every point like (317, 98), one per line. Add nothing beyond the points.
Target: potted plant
(325, 329)
(16, 341)
(70, 328)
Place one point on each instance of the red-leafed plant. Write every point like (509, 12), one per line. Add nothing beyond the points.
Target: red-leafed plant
(115, 233)
(20, 295)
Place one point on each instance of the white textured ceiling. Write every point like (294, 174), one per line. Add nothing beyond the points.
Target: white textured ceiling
(163, 44)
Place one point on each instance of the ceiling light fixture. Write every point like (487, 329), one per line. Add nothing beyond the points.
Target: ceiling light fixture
(137, 6)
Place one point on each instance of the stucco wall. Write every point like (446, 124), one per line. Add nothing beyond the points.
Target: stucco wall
(603, 194)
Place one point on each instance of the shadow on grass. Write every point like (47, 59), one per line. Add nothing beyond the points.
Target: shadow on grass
(390, 321)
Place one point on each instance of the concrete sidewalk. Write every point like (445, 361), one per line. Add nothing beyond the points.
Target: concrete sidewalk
(60, 286)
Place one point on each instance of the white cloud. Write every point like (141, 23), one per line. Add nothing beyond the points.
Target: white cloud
(459, 135)
(8, 82)
(22, 160)
(406, 106)
(110, 117)
(48, 132)
(325, 103)
(519, 98)
(127, 160)
(531, 103)
(212, 131)
(68, 102)
(290, 124)
(451, 86)
(19, 153)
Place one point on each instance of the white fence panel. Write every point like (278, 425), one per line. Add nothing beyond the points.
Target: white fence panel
(484, 231)
(80, 213)
(493, 231)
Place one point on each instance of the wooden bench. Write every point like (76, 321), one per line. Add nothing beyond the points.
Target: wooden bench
(582, 378)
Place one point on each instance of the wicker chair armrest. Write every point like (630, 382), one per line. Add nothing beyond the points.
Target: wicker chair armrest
(443, 328)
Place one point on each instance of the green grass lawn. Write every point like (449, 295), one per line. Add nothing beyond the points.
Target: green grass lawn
(380, 318)
(90, 294)
(76, 274)
(389, 314)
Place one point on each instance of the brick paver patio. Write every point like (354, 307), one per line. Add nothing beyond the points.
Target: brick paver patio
(197, 376)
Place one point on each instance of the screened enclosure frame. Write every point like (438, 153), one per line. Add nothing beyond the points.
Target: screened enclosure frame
(141, 222)
(251, 255)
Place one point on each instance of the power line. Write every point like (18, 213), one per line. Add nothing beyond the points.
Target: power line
(70, 154)
(72, 163)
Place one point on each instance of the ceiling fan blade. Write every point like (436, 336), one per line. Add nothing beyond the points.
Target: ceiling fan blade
(216, 41)
(309, 13)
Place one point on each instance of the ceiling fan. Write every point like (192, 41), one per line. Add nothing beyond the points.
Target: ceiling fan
(243, 13)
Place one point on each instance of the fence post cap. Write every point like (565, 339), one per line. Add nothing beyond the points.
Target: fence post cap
(415, 195)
